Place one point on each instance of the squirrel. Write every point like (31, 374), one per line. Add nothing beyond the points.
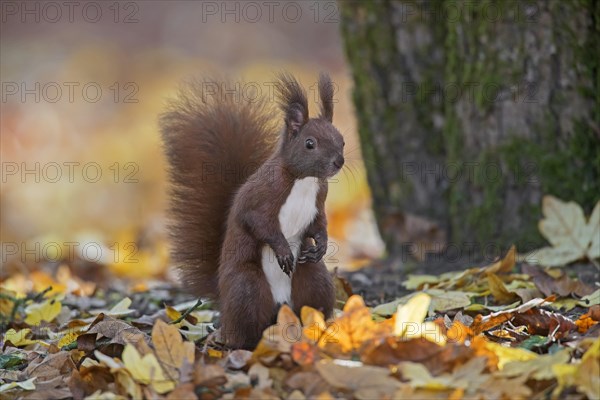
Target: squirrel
(248, 227)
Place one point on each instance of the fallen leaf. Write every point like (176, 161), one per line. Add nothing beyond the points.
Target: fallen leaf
(25, 385)
(238, 359)
(564, 226)
(260, 374)
(441, 300)
(209, 375)
(304, 353)
(118, 331)
(170, 348)
(499, 291)
(542, 322)
(585, 375)
(120, 309)
(279, 338)
(313, 323)
(509, 354)
(146, 370)
(183, 392)
(356, 379)
(19, 338)
(409, 321)
(172, 313)
(563, 286)
(484, 323)
(349, 331)
(46, 311)
(539, 368)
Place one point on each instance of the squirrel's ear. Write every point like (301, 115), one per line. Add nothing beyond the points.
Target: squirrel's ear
(326, 95)
(294, 119)
(293, 102)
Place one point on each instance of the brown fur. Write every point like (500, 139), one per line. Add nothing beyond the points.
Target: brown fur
(235, 136)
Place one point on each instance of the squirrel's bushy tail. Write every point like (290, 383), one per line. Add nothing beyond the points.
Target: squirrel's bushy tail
(214, 140)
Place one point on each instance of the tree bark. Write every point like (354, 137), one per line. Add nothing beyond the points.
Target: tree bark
(396, 59)
(507, 109)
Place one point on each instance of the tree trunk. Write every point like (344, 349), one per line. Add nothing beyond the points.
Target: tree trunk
(507, 109)
(396, 59)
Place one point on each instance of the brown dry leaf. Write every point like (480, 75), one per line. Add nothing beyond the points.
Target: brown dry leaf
(565, 227)
(343, 290)
(562, 286)
(209, 375)
(118, 331)
(437, 359)
(359, 379)
(50, 367)
(89, 380)
(170, 348)
(183, 392)
(542, 322)
(308, 382)
(484, 323)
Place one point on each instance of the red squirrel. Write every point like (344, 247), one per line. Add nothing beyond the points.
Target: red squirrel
(247, 204)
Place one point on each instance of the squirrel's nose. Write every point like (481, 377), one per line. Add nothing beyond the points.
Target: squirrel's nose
(339, 162)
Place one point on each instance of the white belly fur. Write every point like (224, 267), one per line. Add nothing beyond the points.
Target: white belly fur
(296, 214)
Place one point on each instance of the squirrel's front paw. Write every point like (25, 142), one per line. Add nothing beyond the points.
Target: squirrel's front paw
(286, 262)
(314, 253)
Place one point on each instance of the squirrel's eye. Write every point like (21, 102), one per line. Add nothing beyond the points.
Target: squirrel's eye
(310, 144)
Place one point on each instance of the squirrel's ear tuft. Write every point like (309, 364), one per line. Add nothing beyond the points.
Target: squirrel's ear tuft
(294, 119)
(293, 102)
(326, 95)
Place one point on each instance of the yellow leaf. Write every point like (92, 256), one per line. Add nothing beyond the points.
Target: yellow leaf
(68, 338)
(509, 354)
(172, 313)
(313, 323)
(215, 353)
(170, 348)
(499, 290)
(146, 370)
(6, 303)
(19, 338)
(351, 329)
(539, 368)
(126, 381)
(45, 311)
(585, 375)
(413, 312)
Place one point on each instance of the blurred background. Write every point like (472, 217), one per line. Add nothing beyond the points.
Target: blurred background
(83, 174)
(460, 116)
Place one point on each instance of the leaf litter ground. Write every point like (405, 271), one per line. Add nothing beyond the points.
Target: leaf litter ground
(505, 330)
(497, 331)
